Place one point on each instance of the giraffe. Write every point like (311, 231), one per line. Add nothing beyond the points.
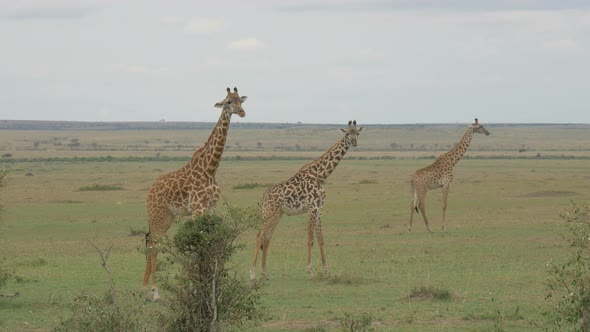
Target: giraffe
(440, 174)
(303, 192)
(192, 189)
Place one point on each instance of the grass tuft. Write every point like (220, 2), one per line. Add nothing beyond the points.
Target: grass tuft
(249, 186)
(64, 201)
(336, 279)
(430, 293)
(100, 187)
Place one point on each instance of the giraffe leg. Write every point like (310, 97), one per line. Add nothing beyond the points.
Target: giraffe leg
(310, 231)
(154, 257)
(412, 211)
(256, 251)
(271, 214)
(265, 244)
(320, 237)
(413, 207)
(148, 266)
(445, 191)
(422, 208)
(159, 223)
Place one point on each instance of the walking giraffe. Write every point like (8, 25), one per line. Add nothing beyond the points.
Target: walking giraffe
(440, 174)
(191, 189)
(303, 192)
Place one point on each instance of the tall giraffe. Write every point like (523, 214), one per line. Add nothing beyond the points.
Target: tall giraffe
(440, 174)
(303, 192)
(191, 189)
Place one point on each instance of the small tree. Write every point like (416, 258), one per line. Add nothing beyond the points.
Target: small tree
(569, 282)
(208, 295)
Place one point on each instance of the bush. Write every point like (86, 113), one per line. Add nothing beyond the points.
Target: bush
(208, 295)
(569, 282)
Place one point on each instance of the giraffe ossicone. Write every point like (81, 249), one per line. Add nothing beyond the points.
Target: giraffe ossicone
(302, 193)
(440, 175)
(190, 190)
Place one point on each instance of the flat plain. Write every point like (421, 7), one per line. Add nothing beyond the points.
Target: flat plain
(503, 223)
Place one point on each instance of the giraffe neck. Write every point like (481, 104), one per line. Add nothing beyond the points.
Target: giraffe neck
(207, 158)
(322, 167)
(455, 154)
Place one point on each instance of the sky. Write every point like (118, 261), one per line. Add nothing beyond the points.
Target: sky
(322, 61)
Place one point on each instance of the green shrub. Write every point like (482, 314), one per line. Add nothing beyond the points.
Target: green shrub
(568, 283)
(208, 294)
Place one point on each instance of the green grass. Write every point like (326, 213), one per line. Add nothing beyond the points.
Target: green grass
(502, 220)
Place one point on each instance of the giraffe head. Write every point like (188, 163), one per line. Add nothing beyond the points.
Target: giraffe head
(352, 133)
(479, 129)
(232, 103)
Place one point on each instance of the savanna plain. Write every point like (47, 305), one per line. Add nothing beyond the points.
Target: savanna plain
(503, 220)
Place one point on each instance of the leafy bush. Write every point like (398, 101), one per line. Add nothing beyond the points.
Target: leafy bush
(208, 295)
(569, 282)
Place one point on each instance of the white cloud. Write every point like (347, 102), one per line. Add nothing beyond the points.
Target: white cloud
(203, 26)
(246, 44)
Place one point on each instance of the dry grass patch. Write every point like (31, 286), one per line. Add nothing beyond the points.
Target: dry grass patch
(424, 293)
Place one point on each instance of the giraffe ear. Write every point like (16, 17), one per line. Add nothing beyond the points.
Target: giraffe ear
(343, 130)
(219, 104)
(243, 98)
(360, 129)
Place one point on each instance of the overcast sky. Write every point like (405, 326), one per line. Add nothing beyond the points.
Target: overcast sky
(322, 61)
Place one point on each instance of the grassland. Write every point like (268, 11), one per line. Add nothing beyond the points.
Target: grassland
(503, 223)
